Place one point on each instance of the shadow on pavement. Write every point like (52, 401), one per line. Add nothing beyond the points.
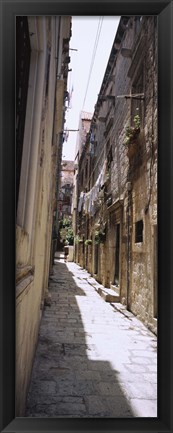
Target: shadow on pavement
(69, 377)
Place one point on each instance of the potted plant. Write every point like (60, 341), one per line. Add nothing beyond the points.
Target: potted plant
(132, 133)
(88, 242)
(107, 177)
(99, 236)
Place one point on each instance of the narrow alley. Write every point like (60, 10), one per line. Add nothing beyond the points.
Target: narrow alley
(86, 185)
(92, 359)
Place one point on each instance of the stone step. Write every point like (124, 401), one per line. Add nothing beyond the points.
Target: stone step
(107, 294)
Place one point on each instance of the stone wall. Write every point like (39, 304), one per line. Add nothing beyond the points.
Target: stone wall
(130, 191)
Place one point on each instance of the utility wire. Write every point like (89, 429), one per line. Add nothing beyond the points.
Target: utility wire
(93, 56)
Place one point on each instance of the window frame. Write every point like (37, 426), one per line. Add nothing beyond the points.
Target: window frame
(137, 235)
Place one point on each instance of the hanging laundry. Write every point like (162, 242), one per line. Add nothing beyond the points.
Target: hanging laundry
(70, 97)
(86, 202)
(81, 199)
(103, 174)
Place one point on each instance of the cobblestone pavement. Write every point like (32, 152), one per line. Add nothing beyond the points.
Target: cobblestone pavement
(91, 359)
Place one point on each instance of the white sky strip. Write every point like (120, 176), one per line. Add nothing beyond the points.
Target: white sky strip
(84, 31)
(93, 56)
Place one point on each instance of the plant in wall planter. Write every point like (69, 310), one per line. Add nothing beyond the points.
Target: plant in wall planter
(100, 237)
(88, 242)
(132, 133)
(107, 177)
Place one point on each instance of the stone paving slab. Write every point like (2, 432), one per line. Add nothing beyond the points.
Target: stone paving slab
(93, 358)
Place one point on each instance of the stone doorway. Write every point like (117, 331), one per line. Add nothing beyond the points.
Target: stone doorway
(117, 255)
(96, 257)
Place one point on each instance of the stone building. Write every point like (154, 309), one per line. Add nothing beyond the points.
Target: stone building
(116, 228)
(66, 189)
(65, 201)
(42, 58)
(84, 127)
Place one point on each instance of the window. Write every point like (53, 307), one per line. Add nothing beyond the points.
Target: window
(117, 255)
(66, 199)
(109, 154)
(139, 231)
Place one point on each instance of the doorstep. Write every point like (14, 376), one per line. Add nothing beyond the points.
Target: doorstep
(107, 294)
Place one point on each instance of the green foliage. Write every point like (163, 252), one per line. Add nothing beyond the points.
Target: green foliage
(88, 242)
(66, 231)
(66, 222)
(100, 236)
(60, 224)
(133, 131)
(137, 121)
(70, 236)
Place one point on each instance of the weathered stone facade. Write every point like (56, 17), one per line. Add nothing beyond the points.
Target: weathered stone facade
(84, 128)
(66, 189)
(119, 197)
(39, 147)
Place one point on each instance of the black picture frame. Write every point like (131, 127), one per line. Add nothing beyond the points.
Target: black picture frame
(8, 10)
